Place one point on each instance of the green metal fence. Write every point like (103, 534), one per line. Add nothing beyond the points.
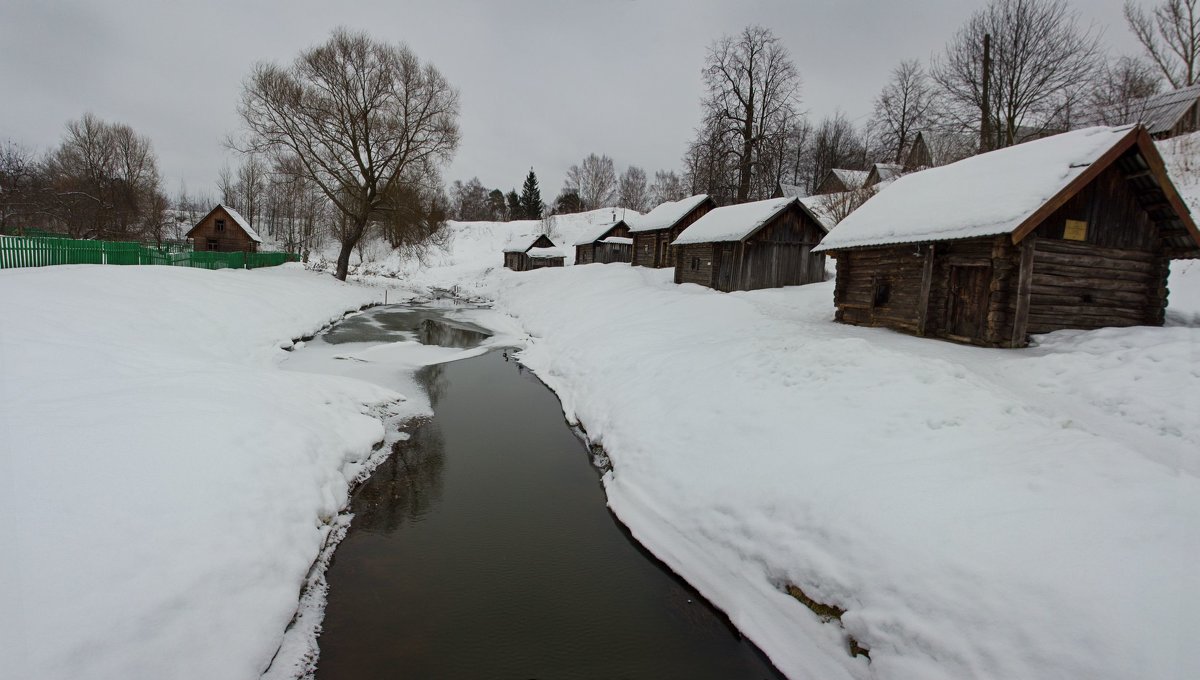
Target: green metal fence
(27, 251)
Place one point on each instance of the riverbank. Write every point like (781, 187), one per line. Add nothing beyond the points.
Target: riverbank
(977, 513)
(165, 486)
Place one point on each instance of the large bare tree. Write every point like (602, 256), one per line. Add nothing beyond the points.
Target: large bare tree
(362, 118)
(1043, 62)
(632, 192)
(594, 180)
(1121, 90)
(753, 90)
(1170, 35)
(902, 108)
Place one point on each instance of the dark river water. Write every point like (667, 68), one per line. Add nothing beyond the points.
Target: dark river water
(483, 548)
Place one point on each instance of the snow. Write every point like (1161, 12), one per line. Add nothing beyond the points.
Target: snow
(165, 487)
(592, 235)
(544, 253)
(521, 243)
(666, 214)
(733, 222)
(618, 240)
(243, 223)
(978, 513)
(983, 195)
(851, 179)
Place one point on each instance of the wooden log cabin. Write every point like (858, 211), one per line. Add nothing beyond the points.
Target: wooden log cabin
(764, 244)
(532, 252)
(605, 243)
(654, 232)
(1071, 231)
(224, 230)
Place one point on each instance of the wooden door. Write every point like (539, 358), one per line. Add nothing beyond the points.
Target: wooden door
(967, 300)
(725, 269)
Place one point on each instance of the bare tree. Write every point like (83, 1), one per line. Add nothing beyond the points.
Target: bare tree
(363, 118)
(227, 185)
(752, 94)
(469, 201)
(836, 144)
(1170, 34)
(19, 177)
(251, 183)
(1042, 64)
(595, 180)
(902, 108)
(666, 187)
(1121, 92)
(632, 192)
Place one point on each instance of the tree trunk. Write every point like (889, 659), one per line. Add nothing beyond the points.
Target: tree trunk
(349, 240)
(743, 193)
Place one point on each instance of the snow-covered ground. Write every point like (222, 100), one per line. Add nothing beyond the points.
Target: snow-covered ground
(164, 486)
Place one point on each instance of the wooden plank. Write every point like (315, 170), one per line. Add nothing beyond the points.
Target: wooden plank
(1024, 285)
(926, 284)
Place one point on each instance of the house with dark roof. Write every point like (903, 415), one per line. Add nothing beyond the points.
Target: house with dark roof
(763, 244)
(1165, 115)
(224, 229)
(653, 232)
(1071, 231)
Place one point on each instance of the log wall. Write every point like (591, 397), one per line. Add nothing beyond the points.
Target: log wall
(696, 264)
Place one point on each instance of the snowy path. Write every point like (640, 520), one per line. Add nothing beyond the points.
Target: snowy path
(978, 513)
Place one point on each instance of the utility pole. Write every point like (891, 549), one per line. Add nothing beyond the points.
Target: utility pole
(985, 125)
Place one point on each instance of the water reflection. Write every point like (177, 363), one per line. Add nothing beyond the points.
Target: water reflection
(406, 486)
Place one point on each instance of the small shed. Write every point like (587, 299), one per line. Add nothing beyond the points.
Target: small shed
(605, 243)
(224, 230)
(1071, 231)
(1165, 115)
(930, 149)
(653, 232)
(788, 191)
(882, 173)
(517, 253)
(841, 179)
(764, 244)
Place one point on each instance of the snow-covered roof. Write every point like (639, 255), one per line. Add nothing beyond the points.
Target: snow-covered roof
(818, 207)
(852, 179)
(544, 253)
(1161, 112)
(733, 222)
(594, 233)
(522, 242)
(989, 194)
(884, 172)
(241, 222)
(619, 240)
(666, 214)
(792, 190)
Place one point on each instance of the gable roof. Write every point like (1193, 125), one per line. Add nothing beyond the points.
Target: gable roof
(942, 148)
(883, 172)
(1160, 113)
(233, 215)
(597, 232)
(792, 190)
(851, 179)
(1009, 191)
(523, 242)
(667, 214)
(737, 222)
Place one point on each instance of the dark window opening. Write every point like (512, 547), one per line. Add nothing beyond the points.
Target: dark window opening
(220, 225)
(883, 292)
(695, 263)
(213, 244)
(1087, 298)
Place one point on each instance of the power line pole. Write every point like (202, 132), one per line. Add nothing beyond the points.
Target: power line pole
(985, 126)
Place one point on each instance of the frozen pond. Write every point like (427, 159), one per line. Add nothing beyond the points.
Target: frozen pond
(483, 546)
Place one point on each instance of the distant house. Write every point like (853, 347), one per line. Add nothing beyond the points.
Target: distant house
(653, 232)
(764, 244)
(1165, 115)
(882, 173)
(1071, 231)
(789, 191)
(532, 252)
(224, 229)
(840, 179)
(604, 243)
(930, 149)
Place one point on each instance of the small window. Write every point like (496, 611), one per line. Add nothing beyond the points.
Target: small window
(695, 263)
(883, 292)
(213, 244)
(220, 226)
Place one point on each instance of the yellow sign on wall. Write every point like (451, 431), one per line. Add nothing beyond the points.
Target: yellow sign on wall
(1076, 230)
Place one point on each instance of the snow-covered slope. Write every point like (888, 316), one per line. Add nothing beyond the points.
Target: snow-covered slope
(164, 488)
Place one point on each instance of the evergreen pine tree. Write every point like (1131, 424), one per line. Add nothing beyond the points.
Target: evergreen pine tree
(531, 197)
(514, 206)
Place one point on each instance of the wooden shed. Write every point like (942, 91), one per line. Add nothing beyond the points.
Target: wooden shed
(840, 179)
(882, 173)
(653, 232)
(224, 229)
(518, 256)
(605, 243)
(1164, 115)
(1071, 231)
(764, 244)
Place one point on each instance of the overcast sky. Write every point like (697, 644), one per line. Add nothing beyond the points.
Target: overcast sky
(542, 83)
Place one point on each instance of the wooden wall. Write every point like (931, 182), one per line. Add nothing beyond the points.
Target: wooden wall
(584, 254)
(654, 249)
(696, 264)
(233, 239)
(544, 262)
(606, 253)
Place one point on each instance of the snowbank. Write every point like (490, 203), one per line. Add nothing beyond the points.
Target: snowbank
(164, 485)
(977, 513)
